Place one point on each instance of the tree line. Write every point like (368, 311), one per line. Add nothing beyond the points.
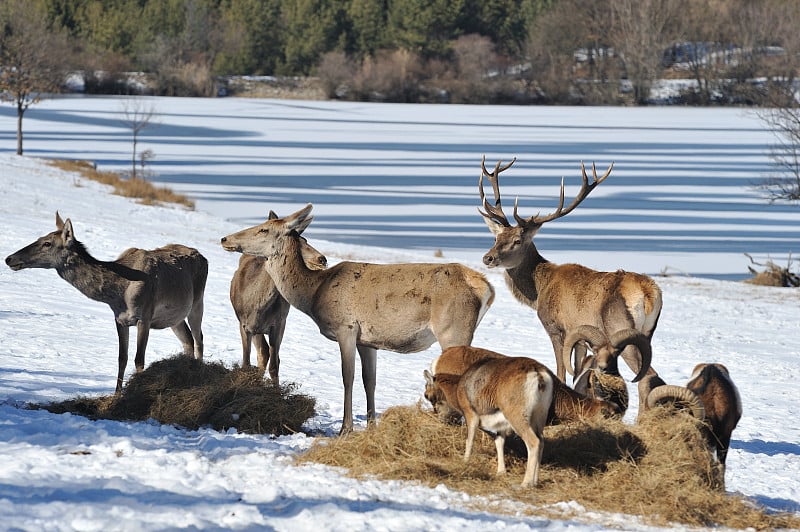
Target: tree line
(470, 51)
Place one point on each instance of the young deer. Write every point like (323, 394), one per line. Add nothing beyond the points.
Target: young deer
(566, 296)
(365, 307)
(260, 308)
(567, 404)
(149, 289)
(503, 395)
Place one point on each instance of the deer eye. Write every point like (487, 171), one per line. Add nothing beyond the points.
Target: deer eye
(46, 244)
(517, 242)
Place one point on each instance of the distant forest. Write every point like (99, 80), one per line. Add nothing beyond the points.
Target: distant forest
(467, 51)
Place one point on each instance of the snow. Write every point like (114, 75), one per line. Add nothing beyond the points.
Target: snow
(389, 183)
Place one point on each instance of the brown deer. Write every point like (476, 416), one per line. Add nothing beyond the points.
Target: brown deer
(151, 289)
(712, 397)
(260, 308)
(567, 404)
(364, 307)
(503, 395)
(566, 296)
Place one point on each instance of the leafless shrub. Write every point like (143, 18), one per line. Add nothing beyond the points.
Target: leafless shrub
(336, 72)
(392, 75)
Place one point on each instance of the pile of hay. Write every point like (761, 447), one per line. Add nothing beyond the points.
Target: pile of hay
(658, 469)
(192, 394)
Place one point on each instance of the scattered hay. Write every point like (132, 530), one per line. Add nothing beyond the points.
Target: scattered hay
(143, 190)
(659, 468)
(192, 394)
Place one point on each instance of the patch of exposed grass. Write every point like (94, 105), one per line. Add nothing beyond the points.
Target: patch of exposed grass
(141, 189)
(192, 394)
(658, 469)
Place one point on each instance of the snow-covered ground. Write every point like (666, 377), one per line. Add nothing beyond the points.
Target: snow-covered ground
(389, 183)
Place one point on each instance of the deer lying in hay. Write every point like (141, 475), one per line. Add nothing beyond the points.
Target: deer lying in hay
(151, 289)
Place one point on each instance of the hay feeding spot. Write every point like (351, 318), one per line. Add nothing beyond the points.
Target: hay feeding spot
(659, 468)
(192, 394)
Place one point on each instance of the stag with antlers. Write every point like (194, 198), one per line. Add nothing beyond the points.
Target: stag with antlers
(566, 296)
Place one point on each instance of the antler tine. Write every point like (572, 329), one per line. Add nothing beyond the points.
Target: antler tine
(494, 213)
(586, 189)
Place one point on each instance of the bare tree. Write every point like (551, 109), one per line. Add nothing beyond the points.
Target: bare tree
(33, 57)
(783, 119)
(138, 114)
(644, 29)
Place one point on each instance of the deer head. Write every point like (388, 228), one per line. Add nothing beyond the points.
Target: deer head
(50, 251)
(512, 243)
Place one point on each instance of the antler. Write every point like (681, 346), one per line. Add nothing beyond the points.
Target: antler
(586, 188)
(495, 213)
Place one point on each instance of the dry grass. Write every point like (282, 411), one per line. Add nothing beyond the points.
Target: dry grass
(143, 190)
(188, 393)
(658, 469)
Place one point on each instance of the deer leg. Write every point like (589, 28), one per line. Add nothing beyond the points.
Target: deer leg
(347, 349)
(262, 350)
(195, 320)
(533, 443)
(123, 336)
(473, 422)
(499, 444)
(142, 335)
(183, 333)
(246, 339)
(369, 362)
(557, 339)
(275, 339)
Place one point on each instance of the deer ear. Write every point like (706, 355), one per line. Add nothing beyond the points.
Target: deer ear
(428, 377)
(272, 216)
(299, 220)
(67, 233)
(59, 222)
(494, 227)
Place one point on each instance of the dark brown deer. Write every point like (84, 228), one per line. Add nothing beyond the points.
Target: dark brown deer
(149, 289)
(566, 296)
(261, 309)
(364, 307)
(712, 397)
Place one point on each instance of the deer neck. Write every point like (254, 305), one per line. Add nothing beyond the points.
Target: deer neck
(527, 279)
(295, 281)
(97, 280)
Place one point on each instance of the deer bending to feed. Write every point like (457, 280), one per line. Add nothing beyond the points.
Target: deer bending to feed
(597, 375)
(503, 395)
(260, 308)
(365, 307)
(566, 296)
(567, 404)
(151, 289)
(712, 397)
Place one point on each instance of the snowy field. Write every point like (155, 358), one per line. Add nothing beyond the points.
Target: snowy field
(389, 183)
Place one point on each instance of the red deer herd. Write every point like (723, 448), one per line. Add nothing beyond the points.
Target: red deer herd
(405, 308)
